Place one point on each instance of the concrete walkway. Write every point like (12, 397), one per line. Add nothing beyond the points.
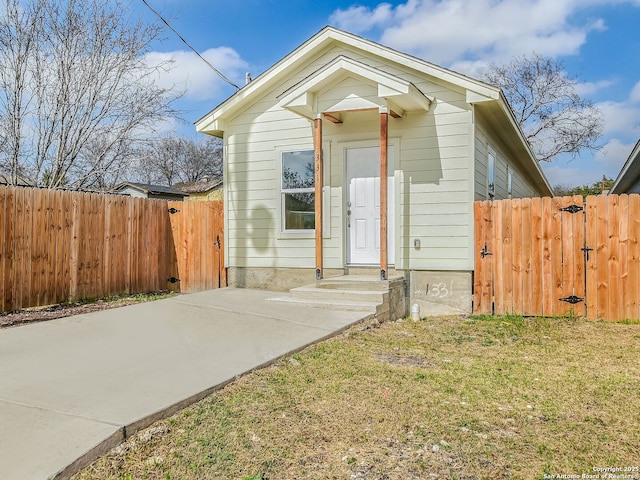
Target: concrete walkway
(72, 388)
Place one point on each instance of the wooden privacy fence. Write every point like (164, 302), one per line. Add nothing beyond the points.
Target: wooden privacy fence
(57, 246)
(557, 256)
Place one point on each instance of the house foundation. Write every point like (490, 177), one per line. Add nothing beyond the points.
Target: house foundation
(436, 292)
(440, 288)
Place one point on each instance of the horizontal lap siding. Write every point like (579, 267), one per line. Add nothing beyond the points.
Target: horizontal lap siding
(434, 191)
(521, 188)
(433, 170)
(252, 188)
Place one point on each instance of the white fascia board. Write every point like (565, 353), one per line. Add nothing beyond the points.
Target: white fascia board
(414, 63)
(476, 97)
(264, 80)
(319, 41)
(629, 171)
(533, 161)
(389, 87)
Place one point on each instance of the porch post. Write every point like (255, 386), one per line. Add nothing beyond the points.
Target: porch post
(318, 179)
(384, 134)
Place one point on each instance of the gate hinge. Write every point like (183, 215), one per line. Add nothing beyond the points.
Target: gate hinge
(173, 280)
(484, 252)
(572, 299)
(572, 209)
(173, 210)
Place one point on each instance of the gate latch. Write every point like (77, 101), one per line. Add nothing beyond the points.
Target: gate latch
(484, 252)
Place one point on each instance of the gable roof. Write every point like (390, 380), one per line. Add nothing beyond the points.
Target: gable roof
(213, 122)
(150, 189)
(200, 186)
(630, 173)
(488, 99)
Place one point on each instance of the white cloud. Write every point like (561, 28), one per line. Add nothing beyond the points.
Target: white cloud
(589, 88)
(189, 73)
(614, 154)
(571, 174)
(360, 19)
(635, 93)
(621, 119)
(457, 32)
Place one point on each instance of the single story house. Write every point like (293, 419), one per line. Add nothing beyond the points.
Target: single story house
(628, 180)
(307, 142)
(203, 190)
(144, 190)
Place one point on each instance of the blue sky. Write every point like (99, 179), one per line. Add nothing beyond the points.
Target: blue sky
(597, 40)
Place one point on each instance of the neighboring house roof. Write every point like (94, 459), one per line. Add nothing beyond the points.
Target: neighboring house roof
(629, 176)
(5, 179)
(200, 186)
(151, 189)
(488, 100)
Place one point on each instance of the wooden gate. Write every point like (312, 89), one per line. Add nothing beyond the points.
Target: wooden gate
(198, 240)
(558, 256)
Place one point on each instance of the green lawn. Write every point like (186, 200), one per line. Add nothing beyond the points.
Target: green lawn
(448, 397)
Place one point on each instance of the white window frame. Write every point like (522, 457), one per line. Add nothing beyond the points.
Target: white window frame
(509, 182)
(282, 231)
(491, 173)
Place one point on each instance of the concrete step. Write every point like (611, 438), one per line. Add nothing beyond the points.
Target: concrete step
(351, 306)
(368, 270)
(363, 293)
(357, 282)
(335, 293)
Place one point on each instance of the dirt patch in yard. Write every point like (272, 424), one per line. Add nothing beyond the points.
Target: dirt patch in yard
(42, 314)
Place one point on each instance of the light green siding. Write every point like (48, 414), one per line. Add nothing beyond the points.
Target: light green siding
(435, 180)
(505, 162)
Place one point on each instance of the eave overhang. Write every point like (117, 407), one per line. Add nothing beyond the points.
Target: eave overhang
(394, 93)
(213, 123)
(629, 174)
(501, 115)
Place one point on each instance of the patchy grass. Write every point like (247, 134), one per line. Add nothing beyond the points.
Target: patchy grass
(459, 398)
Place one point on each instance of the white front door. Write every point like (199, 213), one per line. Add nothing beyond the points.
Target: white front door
(363, 206)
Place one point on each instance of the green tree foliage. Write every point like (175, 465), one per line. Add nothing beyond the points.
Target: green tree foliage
(596, 188)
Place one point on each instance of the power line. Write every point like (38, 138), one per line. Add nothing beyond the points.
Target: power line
(190, 47)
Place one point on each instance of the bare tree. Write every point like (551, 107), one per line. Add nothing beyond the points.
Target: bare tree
(79, 95)
(171, 160)
(17, 39)
(553, 117)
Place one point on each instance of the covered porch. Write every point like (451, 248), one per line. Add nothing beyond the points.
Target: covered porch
(331, 95)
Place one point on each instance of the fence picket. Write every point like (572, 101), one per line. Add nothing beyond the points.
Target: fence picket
(591, 241)
(3, 248)
(614, 258)
(633, 257)
(517, 256)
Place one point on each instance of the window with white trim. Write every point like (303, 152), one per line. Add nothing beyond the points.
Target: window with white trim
(491, 174)
(509, 182)
(298, 191)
